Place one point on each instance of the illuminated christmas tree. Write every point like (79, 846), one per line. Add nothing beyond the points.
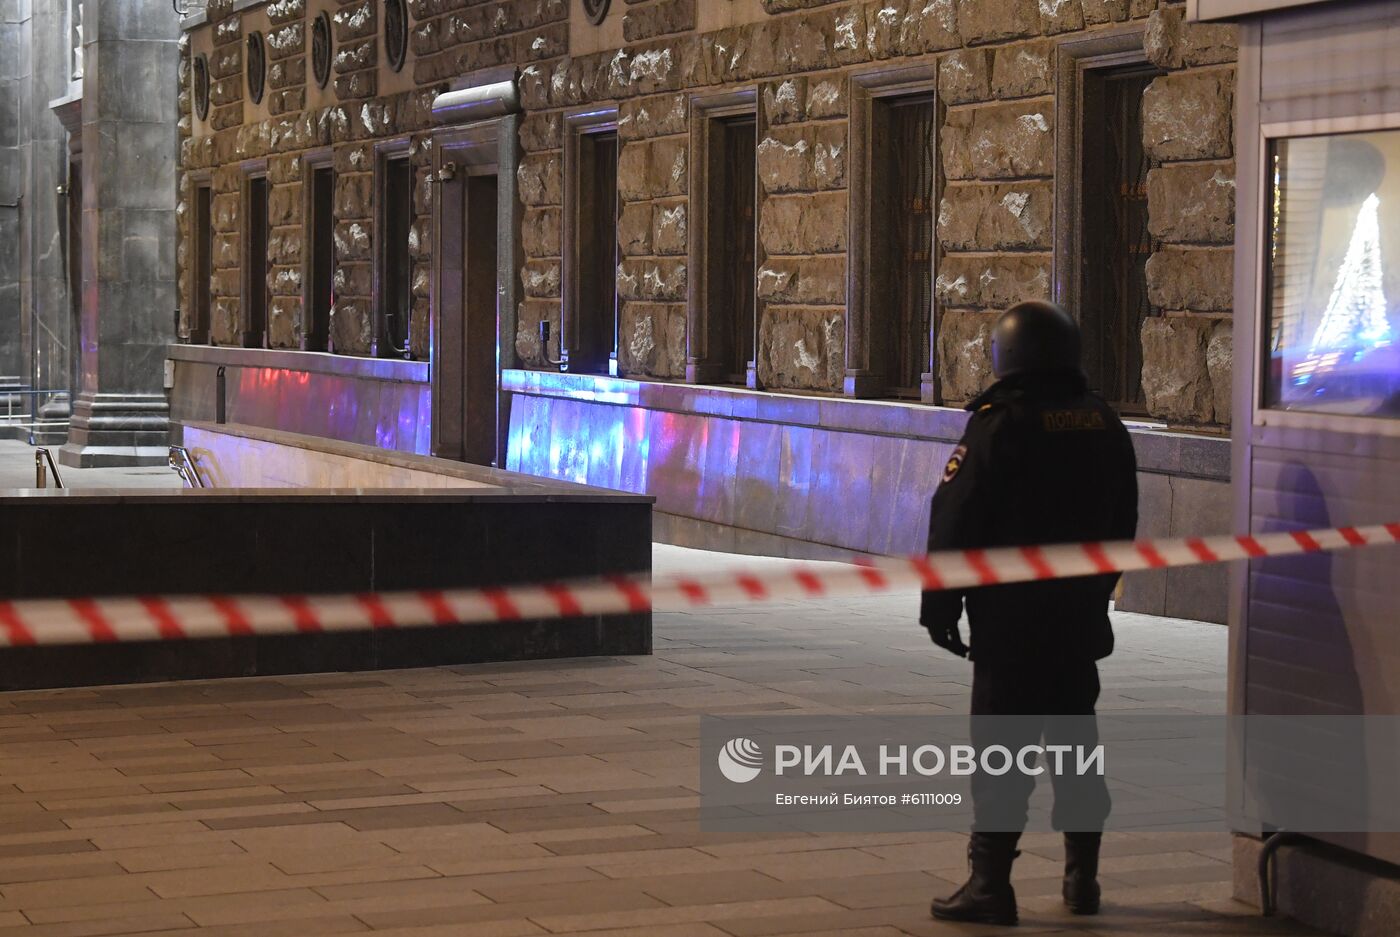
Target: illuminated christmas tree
(1356, 310)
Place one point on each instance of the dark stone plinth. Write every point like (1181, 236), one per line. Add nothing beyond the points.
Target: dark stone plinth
(64, 543)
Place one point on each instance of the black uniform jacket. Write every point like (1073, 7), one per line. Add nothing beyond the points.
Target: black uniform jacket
(1042, 461)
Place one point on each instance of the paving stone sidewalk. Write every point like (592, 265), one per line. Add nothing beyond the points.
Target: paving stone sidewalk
(538, 798)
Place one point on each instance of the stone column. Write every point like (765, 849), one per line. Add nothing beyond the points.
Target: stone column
(130, 114)
(14, 83)
(48, 305)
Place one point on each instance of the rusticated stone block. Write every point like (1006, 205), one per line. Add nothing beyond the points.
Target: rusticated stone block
(286, 41)
(354, 195)
(547, 43)
(658, 19)
(1200, 280)
(965, 76)
(785, 102)
(668, 234)
(929, 26)
(1176, 370)
(540, 232)
(802, 348)
(965, 353)
(1220, 356)
(634, 229)
(419, 325)
(1170, 42)
(224, 319)
(999, 141)
(828, 96)
(1189, 115)
(353, 279)
(1061, 16)
(356, 21)
(226, 282)
(228, 251)
(785, 160)
(664, 115)
(284, 281)
(285, 11)
(422, 287)
(284, 245)
(651, 339)
(354, 56)
(995, 282)
(803, 224)
(1016, 216)
(288, 101)
(352, 158)
(226, 210)
(884, 21)
(980, 21)
(289, 73)
(1024, 70)
(420, 239)
(541, 132)
(653, 280)
(527, 332)
(352, 240)
(284, 205)
(352, 326)
(540, 279)
(652, 169)
(1097, 12)
(799, 159)
(541, 179)
(357, 86)
(226, 62)
(1192, 203)
(807, 281)
(228, 30)
(675, 64)
(226, 91)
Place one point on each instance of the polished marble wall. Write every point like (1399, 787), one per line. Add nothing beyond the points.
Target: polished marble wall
(737, 469)
(377, 402)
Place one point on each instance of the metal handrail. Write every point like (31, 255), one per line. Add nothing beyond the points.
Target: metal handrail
(183, 464)
(42, 456)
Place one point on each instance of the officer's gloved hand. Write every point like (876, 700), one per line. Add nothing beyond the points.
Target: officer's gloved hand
(949, 638)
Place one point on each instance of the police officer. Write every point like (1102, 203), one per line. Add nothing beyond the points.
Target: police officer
(1043, 460)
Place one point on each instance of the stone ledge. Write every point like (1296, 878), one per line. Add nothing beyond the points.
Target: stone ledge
(1158, 450)
(317, 362)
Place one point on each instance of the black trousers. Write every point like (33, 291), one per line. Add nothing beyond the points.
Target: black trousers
(1020, 705)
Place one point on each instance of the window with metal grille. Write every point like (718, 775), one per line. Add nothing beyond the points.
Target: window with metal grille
(255, 288)
(596, 346)
(395, 272)
(321, 272)
(1115, 243)
(733, 241)
(903, 189)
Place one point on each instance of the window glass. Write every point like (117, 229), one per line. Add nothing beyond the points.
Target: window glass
(1333, 302)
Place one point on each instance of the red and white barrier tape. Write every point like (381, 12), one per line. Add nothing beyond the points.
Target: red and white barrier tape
(90, 621)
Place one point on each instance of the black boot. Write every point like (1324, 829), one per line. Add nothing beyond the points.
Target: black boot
(988, 897)
(1081, 890)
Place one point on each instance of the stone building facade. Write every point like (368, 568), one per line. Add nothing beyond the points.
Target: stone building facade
(1012, 213)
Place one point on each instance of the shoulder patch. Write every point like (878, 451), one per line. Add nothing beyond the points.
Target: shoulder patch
(955, 462)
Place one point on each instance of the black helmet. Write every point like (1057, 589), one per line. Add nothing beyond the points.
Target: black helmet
(1034, 336)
